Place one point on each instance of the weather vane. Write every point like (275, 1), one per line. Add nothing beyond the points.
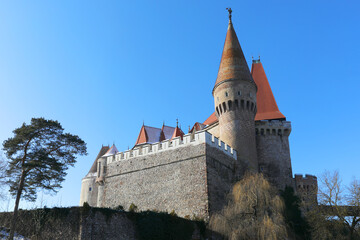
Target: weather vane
(230, 11)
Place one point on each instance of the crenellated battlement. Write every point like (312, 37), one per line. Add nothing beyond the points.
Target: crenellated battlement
(188, 139)
(273, 127)
(305, 184)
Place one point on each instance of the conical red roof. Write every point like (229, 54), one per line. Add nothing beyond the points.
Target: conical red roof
(267, 108)
(233, 65)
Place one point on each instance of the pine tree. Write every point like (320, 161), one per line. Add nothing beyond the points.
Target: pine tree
(39, 155)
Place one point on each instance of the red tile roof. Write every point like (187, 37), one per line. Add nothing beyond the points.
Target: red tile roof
(267, 108)
(212, 119)
(152, 135)
(177, 133)
(197, 126)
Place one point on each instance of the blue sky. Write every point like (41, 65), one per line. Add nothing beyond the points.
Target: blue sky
(101, 68)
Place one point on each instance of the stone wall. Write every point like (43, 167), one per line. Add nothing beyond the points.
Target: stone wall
(170, 180)
(307, 188)
(221, 175)
(272, 143)
(85, 223)
(186, 176)
(89, 190)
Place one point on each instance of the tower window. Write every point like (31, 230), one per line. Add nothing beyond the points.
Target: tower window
(250, 94)
(89, 189)
(230, 104)
(239, 93)
(224, 106)
(226, 94)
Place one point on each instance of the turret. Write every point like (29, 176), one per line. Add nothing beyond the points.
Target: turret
(235, 101)
(272, 133)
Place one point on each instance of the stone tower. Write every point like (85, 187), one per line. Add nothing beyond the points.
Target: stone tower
(272, 133)
(235, 101)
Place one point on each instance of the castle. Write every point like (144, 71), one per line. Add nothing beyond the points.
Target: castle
(192, 173)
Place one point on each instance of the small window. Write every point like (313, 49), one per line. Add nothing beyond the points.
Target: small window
(250, 94)
(89, 189)
(226, 94)
(239, 93)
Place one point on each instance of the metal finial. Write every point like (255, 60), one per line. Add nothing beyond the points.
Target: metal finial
(177, 122)
(259, 57)
(143, 122)
(230, 11)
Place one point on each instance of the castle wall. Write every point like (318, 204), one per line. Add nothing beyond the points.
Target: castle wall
(307, 188)
(272, 142)
(89, 190)
(165, 181)
(220, 177)
(187, 176)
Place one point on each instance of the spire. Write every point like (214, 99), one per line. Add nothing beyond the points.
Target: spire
(233, 65)
(267, 108)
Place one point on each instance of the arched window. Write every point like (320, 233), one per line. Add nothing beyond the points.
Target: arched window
(230, 104)
(224, 106)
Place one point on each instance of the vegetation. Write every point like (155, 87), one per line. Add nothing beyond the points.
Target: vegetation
(3, 166)
(39, 155)
(298, 227)
(254, 211)
(133, 207)
(338, 215)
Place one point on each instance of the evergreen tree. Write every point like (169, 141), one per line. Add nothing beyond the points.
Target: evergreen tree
(293, 217)
(39, 155)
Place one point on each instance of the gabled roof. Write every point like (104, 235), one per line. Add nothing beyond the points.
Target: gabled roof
(177, 133)
(113, 150)
(102, 151)
(210, 120)
(233, 65)
(152, 134)
(198, 126)
(267, 108)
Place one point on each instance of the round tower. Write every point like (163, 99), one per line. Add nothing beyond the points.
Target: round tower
(235, 101)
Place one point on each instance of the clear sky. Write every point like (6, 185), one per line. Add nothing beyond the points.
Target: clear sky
(101, 68)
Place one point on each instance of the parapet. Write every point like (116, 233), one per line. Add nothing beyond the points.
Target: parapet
(189, 139)
(309, 182)
(273, 127)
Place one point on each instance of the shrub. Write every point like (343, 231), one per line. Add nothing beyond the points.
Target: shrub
(133, 208)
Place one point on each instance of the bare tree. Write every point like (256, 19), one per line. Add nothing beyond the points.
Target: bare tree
(338, 215)
(254, 211)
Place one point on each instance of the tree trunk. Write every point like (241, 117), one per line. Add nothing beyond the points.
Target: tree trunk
(18, 195)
